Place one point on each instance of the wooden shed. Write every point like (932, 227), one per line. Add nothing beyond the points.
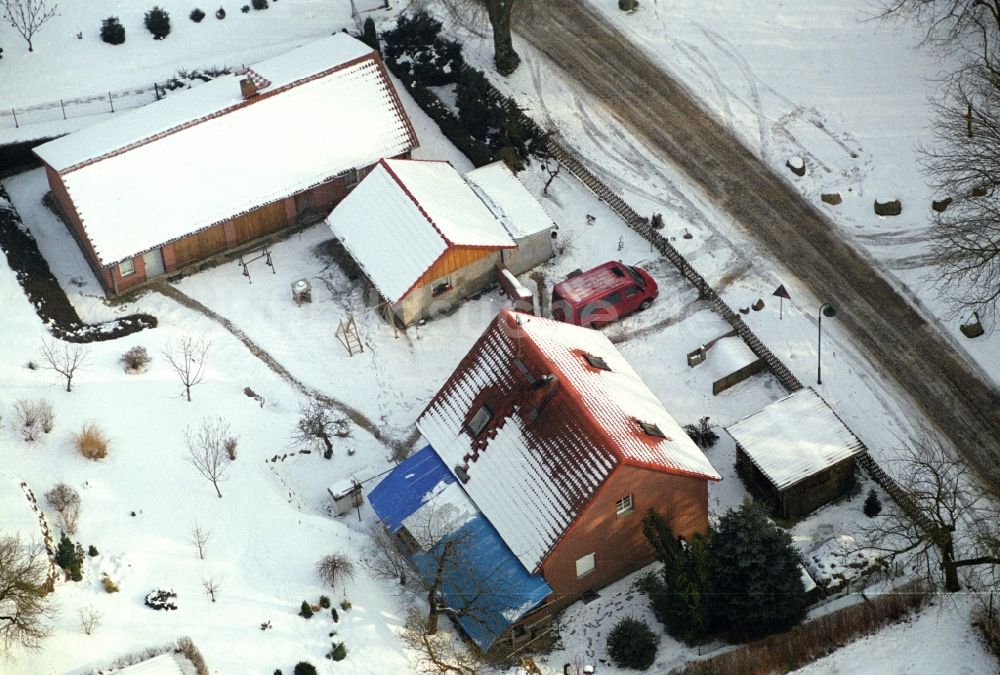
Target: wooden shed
(796, 453)
(156, 190)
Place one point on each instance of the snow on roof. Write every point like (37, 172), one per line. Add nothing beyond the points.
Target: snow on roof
(276, 145)
(180, 108)
(170, 663)
(404, 215)
(727, 356)
(794, 438)
(550, 466)
(508, 199)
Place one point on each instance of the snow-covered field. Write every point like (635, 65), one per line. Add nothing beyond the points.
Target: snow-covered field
(272, 523)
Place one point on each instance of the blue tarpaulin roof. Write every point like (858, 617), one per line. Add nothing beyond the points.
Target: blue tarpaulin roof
(482, 572)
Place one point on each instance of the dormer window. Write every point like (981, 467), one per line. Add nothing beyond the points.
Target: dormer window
(597, 362)
(650, 429)
(479, 421)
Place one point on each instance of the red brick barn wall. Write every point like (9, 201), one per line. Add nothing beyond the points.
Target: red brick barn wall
(617, 542)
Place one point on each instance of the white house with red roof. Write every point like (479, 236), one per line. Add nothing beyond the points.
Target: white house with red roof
(562, 447)
(158, 189)
(425, 236)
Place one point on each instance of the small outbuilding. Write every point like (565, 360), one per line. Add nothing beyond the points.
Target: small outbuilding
(522, 216)
(796, 453)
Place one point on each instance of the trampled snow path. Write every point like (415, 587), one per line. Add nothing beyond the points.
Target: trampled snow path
(355, 415)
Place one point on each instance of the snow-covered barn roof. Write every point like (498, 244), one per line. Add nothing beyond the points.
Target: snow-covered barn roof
(404, 215)
(794, 438)
(550, 442)
(202, 156)
(509, 200)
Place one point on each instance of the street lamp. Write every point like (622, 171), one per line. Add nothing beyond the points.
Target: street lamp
(828, 310)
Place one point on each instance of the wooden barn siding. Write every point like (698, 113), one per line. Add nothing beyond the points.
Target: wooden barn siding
(199, 246)
(468, 280)
(259, 222)
(617, 542)
(454, 259)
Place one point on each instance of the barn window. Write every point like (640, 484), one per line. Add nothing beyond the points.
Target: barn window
(126, 267)
(650, 429)
(351, 178)
(441, 286)
(597, 362)
(479, 420)
(585, 565)
(624, 505)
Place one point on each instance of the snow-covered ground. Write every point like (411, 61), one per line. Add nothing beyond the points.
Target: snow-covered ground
(272, 524)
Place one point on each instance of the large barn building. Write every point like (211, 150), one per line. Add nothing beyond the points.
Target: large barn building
(216, 167)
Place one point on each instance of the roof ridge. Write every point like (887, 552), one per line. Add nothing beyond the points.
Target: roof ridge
(219, 113)
(413, 198)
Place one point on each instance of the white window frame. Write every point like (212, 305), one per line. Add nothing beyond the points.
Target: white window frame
(479, 421)
(126, 267)
(585, 565)
(352, 179)
(624, 505)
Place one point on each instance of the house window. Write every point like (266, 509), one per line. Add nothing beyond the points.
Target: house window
(479, 420)
(126, 267)
(650, 429)
(351, 178)
(584, 566)
(624, 505)
(441, 286)
(597, 362)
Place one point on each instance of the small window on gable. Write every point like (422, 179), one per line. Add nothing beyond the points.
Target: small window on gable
(126, 267)
(479, 420)
(597, 362)
(351, 178)
(624, 505)
(441, 286)
(650, 429)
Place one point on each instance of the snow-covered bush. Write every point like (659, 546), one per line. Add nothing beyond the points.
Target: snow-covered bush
(135, 359)
(702, 433)
(631, 644)
(112, 31)
(33, 417)
(334, 568)
(91, 441)
(220, 14)
(109, 585)
(157, 22)
(324, 601)
(627, 5)
(259, 4)
(196, 15)
(69, 557)
(305, 611)
(873, 506)
(65, 501)
(304, 668)
(245, 9)
(160, 599)
(339, 651)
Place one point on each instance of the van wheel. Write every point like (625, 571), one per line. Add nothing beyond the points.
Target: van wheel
(645, 305)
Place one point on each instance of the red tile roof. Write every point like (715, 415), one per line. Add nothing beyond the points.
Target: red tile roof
(558, 429)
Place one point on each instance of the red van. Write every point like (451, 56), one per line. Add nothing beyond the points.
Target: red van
(602, 295)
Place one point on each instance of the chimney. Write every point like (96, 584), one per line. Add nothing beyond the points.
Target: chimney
(248, 88)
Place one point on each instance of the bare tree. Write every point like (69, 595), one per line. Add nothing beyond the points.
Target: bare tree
(211, 584)
(969, 27)
(26, 16)
(383, 557)
(207, 450)
(65, 501)
(434, 533)
(65, 358)
(24, 610)
(473, 14)
(188, 359)
(437, 652)
(199, 538)
(953, 525)
(34, 417)
(964, 163)
(90, 619)
(318, 426)
(334, 568)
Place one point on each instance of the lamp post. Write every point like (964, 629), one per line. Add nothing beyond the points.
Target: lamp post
(828, 310)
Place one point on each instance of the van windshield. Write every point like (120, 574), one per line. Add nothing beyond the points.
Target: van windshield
(636, 276)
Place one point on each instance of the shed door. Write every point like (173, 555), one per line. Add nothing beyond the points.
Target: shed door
(154, 263)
